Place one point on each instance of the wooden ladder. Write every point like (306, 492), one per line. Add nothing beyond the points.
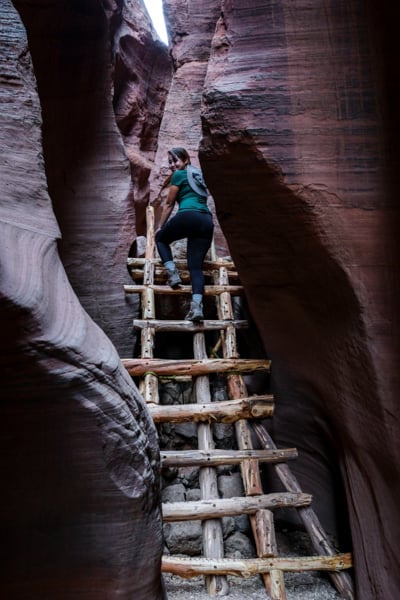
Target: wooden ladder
(241, 410)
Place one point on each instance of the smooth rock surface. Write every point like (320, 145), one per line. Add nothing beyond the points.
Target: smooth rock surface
(296, 118)
(296, 108)
(80, 498)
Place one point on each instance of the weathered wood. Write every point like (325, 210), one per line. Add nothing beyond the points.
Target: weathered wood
(137, 367)
(227, 411)
(147, 342)
(267, 547)
(209, 290)
(277, 585)
(221, 507)
(213, 540)
(237, 389)
(319, 539)
(148, 386)
(182, 263)
(189, 326)
(266, 532)
(149, 254)
(214, 458)
(149, 389)
(148, 303)
(160, 275)
(242, 567)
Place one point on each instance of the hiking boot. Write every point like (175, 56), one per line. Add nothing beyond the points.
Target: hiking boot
(196, 312)
(173, 277)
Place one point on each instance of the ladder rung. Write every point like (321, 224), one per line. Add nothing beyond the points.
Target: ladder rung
(209, 290)
(227, 411)
(217, 508)
(246, 567)
(181, 263)
(207, 325)
(138, 367)
(215, 458)
(161, 275)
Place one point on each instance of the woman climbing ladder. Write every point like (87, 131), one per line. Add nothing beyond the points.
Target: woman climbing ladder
(193, 221)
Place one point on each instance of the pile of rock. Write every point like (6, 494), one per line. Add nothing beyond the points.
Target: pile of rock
(182, 484)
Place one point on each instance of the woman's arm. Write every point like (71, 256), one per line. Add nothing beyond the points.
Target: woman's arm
(169, 205)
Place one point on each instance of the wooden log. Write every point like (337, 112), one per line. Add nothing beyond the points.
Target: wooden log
(149, 389)
(213, 540)
(209, 290)
(149, 254)
(237, 389)
(221, 507)
(266, 532)
(147, 342)
(137, 367)
(189, 326)
(227, 411)
(148, 386)
(267, 547)
(160, 276)
(241, 567)
(319, 539)
(148, 303)
(216, 458)
(277, 585)
(182, 263)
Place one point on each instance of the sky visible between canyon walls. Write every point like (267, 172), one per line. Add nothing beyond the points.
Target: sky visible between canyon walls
(155, 10)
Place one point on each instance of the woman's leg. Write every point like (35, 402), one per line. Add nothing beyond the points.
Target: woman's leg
(198, 245)
(198, 228)
(167, 234)
(197, 249)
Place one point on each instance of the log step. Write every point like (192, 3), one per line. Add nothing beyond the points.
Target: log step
(181, 263)
(164, 325)
(209, 290)
(216, 458)
(217, 508)
(137, 367)
(160, 274)
(246, 567)
(227, 411)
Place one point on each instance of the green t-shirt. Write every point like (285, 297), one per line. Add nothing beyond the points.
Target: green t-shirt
(187, 198)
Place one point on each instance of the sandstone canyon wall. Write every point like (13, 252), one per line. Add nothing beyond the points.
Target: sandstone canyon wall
(79, 452)
(191, 26)
(297, 126)
(298, 145)
(293, 108)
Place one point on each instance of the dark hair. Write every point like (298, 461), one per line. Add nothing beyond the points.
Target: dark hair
(180, 153)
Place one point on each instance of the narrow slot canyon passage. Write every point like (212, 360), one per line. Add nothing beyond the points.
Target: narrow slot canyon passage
(291, 113)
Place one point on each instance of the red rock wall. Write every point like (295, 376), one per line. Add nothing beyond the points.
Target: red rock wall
(296, 105)
(79, 453)
(296, 128)
(191, 26)
(97, 76)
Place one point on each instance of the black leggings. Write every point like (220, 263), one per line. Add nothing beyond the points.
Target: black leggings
(198, 228)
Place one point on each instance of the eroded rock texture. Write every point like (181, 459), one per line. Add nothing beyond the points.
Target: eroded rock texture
(79, 453)
(296, 105)
(97, 73)
(295, 127)
(191, 26)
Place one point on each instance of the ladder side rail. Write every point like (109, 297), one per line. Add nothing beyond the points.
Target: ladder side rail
(148, 385)
(341, 580)
(237, 389)
(213, 541)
